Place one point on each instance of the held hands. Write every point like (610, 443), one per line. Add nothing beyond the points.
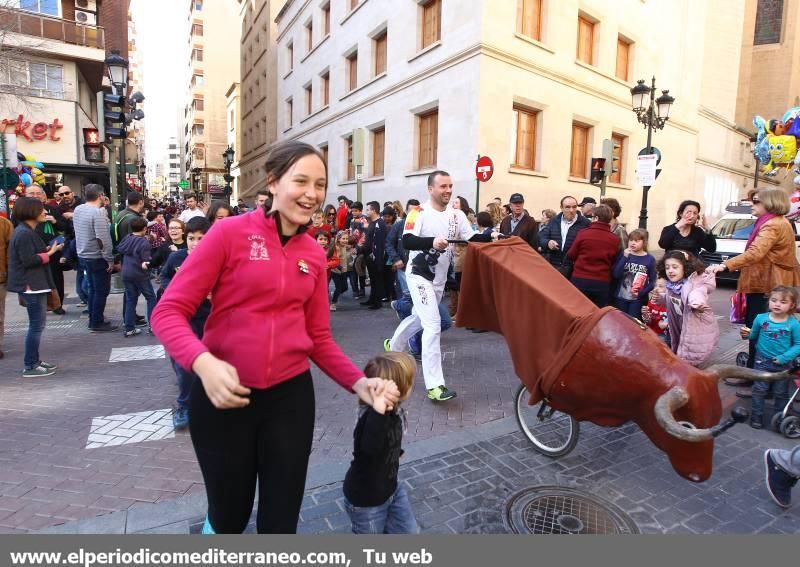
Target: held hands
(440, 243)
(221, 382)
(716, 268)
(380, 394)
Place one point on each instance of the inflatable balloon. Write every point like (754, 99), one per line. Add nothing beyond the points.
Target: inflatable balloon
(26, 179)
(761, 149)
(794, 199)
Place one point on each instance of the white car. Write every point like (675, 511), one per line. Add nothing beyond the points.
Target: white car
(732, 232)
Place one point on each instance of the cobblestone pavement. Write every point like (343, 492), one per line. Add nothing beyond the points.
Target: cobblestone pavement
(52, 472)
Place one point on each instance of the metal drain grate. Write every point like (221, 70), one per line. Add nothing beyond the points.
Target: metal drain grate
(554, 510)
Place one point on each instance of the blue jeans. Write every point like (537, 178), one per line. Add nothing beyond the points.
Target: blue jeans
(99, 287)
(82, 282)
(761, 388)
(36, 304)
(185, 382)
(632, 308)
(133, 288)
(394, 516)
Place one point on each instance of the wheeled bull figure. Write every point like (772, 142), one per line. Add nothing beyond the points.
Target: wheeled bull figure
(596, 365)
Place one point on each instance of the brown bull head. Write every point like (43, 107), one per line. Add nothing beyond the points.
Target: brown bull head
(677, 397)
(622, 372)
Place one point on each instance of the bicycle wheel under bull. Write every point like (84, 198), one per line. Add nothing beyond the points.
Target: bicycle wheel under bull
(551, 432)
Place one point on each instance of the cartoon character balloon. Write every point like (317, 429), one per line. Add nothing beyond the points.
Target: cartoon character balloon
(30, 170)
(775, 147)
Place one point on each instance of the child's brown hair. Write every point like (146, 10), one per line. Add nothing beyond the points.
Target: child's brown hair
(398, 367)
(639, 234)
(786, 291)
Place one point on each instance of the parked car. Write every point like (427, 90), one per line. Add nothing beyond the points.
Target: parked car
(732, 232)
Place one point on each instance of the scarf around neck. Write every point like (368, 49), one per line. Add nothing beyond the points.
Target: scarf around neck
(676, 287)
(757, 227)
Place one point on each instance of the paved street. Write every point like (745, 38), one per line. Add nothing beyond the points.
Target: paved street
(96, 440)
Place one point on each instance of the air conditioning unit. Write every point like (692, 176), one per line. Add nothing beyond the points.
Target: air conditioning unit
(85, 18)
(90, 5)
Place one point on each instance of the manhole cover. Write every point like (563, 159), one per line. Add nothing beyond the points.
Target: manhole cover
(558, 510)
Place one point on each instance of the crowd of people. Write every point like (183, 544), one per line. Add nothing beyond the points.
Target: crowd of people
(249, 404)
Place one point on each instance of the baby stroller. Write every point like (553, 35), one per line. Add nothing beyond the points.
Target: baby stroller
(787, 421)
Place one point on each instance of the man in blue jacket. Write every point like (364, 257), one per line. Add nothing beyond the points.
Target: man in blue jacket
(559, 234)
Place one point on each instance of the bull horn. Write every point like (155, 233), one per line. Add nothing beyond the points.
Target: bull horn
(672, 400)
(721, 371)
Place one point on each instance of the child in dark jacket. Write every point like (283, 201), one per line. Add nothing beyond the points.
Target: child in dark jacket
(374, 500)
(135, 250)
(196, 229)
(635, 270)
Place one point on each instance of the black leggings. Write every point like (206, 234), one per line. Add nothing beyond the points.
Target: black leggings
(756, 304)
(269, 440)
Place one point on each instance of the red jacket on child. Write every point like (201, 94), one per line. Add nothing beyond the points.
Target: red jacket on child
(270, 310)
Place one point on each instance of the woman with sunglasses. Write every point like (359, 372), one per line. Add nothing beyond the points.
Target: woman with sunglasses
(769, 256)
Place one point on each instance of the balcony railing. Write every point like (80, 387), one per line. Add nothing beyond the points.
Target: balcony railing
(48, 27)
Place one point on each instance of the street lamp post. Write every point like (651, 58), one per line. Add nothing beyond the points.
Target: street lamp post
(653, 116)
(196, 180)
(118, 75)
(227, 158)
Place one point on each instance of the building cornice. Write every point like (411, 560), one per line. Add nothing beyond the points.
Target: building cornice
(722, 121)
(737, 171)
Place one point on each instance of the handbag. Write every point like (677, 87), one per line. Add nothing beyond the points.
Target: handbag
(738, 308)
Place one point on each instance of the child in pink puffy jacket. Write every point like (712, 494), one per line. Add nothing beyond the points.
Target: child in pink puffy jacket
(693, 329)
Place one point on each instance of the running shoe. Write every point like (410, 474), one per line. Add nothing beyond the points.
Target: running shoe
(333, 307)
(37, 372)
(47, 365)
(180, 419)
(133, 332)
(779, 482)
(440, 394)
(387, 345)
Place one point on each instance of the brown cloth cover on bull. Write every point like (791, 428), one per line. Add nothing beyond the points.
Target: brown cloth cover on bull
(509, 288)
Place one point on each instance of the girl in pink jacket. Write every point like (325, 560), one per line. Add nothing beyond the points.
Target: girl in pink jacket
(252, 418)
(693, 329)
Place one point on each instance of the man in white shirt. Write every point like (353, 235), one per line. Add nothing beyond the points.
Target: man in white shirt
(192, 210)
(427, 231)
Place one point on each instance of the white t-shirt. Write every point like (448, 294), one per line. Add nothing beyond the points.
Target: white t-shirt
(426, 222)
(190, 214)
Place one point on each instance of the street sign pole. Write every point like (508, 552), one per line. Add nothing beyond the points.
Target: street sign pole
(477, 192)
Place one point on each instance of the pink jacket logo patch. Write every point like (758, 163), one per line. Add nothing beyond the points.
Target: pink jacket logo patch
(258, 248)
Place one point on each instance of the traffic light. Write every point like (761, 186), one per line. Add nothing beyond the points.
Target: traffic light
(113, 116)
(598, 171)
(611, 156)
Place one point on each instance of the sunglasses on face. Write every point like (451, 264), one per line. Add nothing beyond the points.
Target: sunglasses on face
(64, 194)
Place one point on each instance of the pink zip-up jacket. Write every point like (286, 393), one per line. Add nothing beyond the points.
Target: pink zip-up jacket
(269, 312)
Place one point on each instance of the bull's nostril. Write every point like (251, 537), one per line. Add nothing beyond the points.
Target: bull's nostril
(687, 424)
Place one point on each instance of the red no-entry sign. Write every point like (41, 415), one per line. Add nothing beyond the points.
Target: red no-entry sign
(484, 169)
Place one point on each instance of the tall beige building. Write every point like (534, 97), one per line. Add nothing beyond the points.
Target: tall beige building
(537, 85)
(213, 63)
(769, 79)
(258, 83)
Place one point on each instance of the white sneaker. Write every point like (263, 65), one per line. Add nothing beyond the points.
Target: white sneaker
(333, 307)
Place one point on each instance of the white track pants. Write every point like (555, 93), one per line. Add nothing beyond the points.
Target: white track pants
(425, 316)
